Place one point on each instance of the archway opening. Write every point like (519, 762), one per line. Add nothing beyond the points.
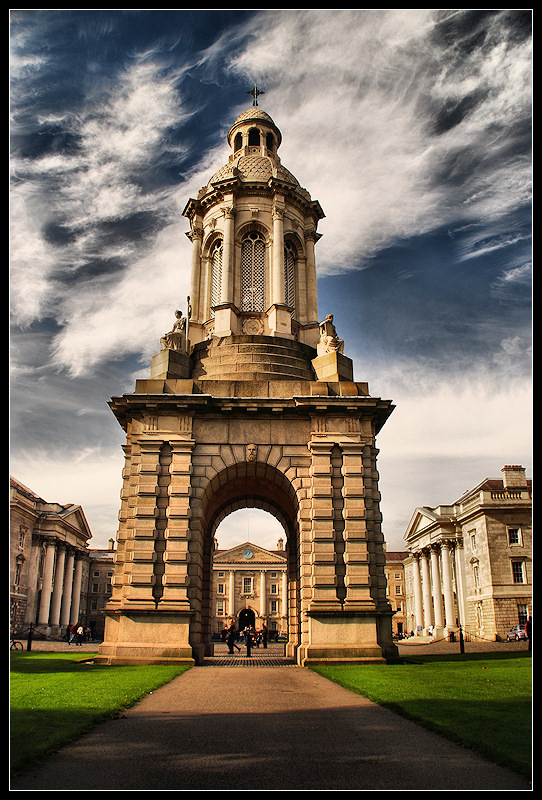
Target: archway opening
(249, 584)
(251, 557)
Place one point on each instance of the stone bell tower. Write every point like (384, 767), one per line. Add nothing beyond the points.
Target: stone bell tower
(250, 402)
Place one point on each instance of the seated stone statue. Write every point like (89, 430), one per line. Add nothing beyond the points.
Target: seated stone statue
(175, 339)
(329, 341)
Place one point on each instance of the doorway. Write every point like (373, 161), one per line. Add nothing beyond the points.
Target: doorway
(247, 619)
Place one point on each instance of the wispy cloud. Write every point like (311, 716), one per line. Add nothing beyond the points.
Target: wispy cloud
(410, 130)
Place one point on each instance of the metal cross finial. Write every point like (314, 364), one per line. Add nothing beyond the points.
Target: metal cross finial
(255, 92)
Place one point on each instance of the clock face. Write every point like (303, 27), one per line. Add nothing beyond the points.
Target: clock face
(247, 553)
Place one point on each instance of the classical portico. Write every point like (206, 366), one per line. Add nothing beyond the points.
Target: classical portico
(251, 402)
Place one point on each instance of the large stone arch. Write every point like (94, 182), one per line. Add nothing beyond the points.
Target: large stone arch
(243, 484)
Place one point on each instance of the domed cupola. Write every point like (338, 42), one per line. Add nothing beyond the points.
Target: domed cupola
(254, 140)
(253, 229)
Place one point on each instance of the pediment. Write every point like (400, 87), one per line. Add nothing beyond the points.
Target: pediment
(427, 521)
(240, 554)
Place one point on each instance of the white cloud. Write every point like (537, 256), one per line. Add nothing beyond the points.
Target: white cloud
(443, 438)
(356, 92)
(91, 478)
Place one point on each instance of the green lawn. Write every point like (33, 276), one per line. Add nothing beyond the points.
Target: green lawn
(56, 697)
(482, 701)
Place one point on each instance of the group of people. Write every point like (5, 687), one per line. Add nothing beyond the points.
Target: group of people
(78, 633)
(251, 637)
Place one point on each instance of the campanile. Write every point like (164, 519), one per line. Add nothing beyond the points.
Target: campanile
(250, 402)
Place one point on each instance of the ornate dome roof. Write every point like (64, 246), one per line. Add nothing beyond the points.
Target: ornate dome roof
(254, 167)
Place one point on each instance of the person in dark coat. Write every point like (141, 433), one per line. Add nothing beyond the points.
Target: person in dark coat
(231, 638)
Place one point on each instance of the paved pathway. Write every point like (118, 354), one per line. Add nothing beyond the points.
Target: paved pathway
(270, 728)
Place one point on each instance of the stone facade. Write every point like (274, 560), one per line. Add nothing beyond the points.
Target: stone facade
(396, 594)
(470, 563)
(100, 585)
(251, 402)
(49, 562)
(250, 587)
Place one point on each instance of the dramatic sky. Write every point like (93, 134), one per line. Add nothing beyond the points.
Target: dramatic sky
(412, 128)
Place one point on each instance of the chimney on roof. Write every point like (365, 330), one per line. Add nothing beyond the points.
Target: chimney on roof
(513, 475)
(111, 544)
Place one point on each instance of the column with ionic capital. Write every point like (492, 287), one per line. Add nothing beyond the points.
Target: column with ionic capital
(460, 581)
(417, 585)
(437, 588)
(312, 291)
(226, 293)
(67, 590)
(448, 586)
(426, 591)
(263, 604)
(54, 613)
(196, 237)
(279, 296)
(231, 595)
(47, 582)
(76, 590)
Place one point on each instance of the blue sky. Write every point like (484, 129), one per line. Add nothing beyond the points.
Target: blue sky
(412, 128)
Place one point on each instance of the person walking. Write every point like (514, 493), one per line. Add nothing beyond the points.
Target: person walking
(231, 638)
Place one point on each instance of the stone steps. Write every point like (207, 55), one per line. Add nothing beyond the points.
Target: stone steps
(262, 357)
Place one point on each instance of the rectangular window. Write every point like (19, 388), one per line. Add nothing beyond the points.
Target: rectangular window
(476, 575)
(514, 536)
(247, 585)
(220, 608)
(220, 588)
(518, 572)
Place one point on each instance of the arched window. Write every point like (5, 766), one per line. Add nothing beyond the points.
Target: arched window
(238, 142)
(216, 274)
(290, 257)
(253, 272)
(270, 142)
(254, 137)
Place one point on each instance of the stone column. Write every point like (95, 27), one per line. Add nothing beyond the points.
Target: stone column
(226, 294)
(67, 590)
(418, 599)
(263, 604)
(54, 614)
(323, 578)
(177, 556)
(231, 595)
(460, 582)
(448, 586)
(196, 237)
(312, 291)
(32, 597)
(357, 577)
(279, 297)
(437, 589)
(426, 591)
(140, 567)
(284, 598)
(76, 590)
(47, 582)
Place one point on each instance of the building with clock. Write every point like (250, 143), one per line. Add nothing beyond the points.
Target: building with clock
(249, 585)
